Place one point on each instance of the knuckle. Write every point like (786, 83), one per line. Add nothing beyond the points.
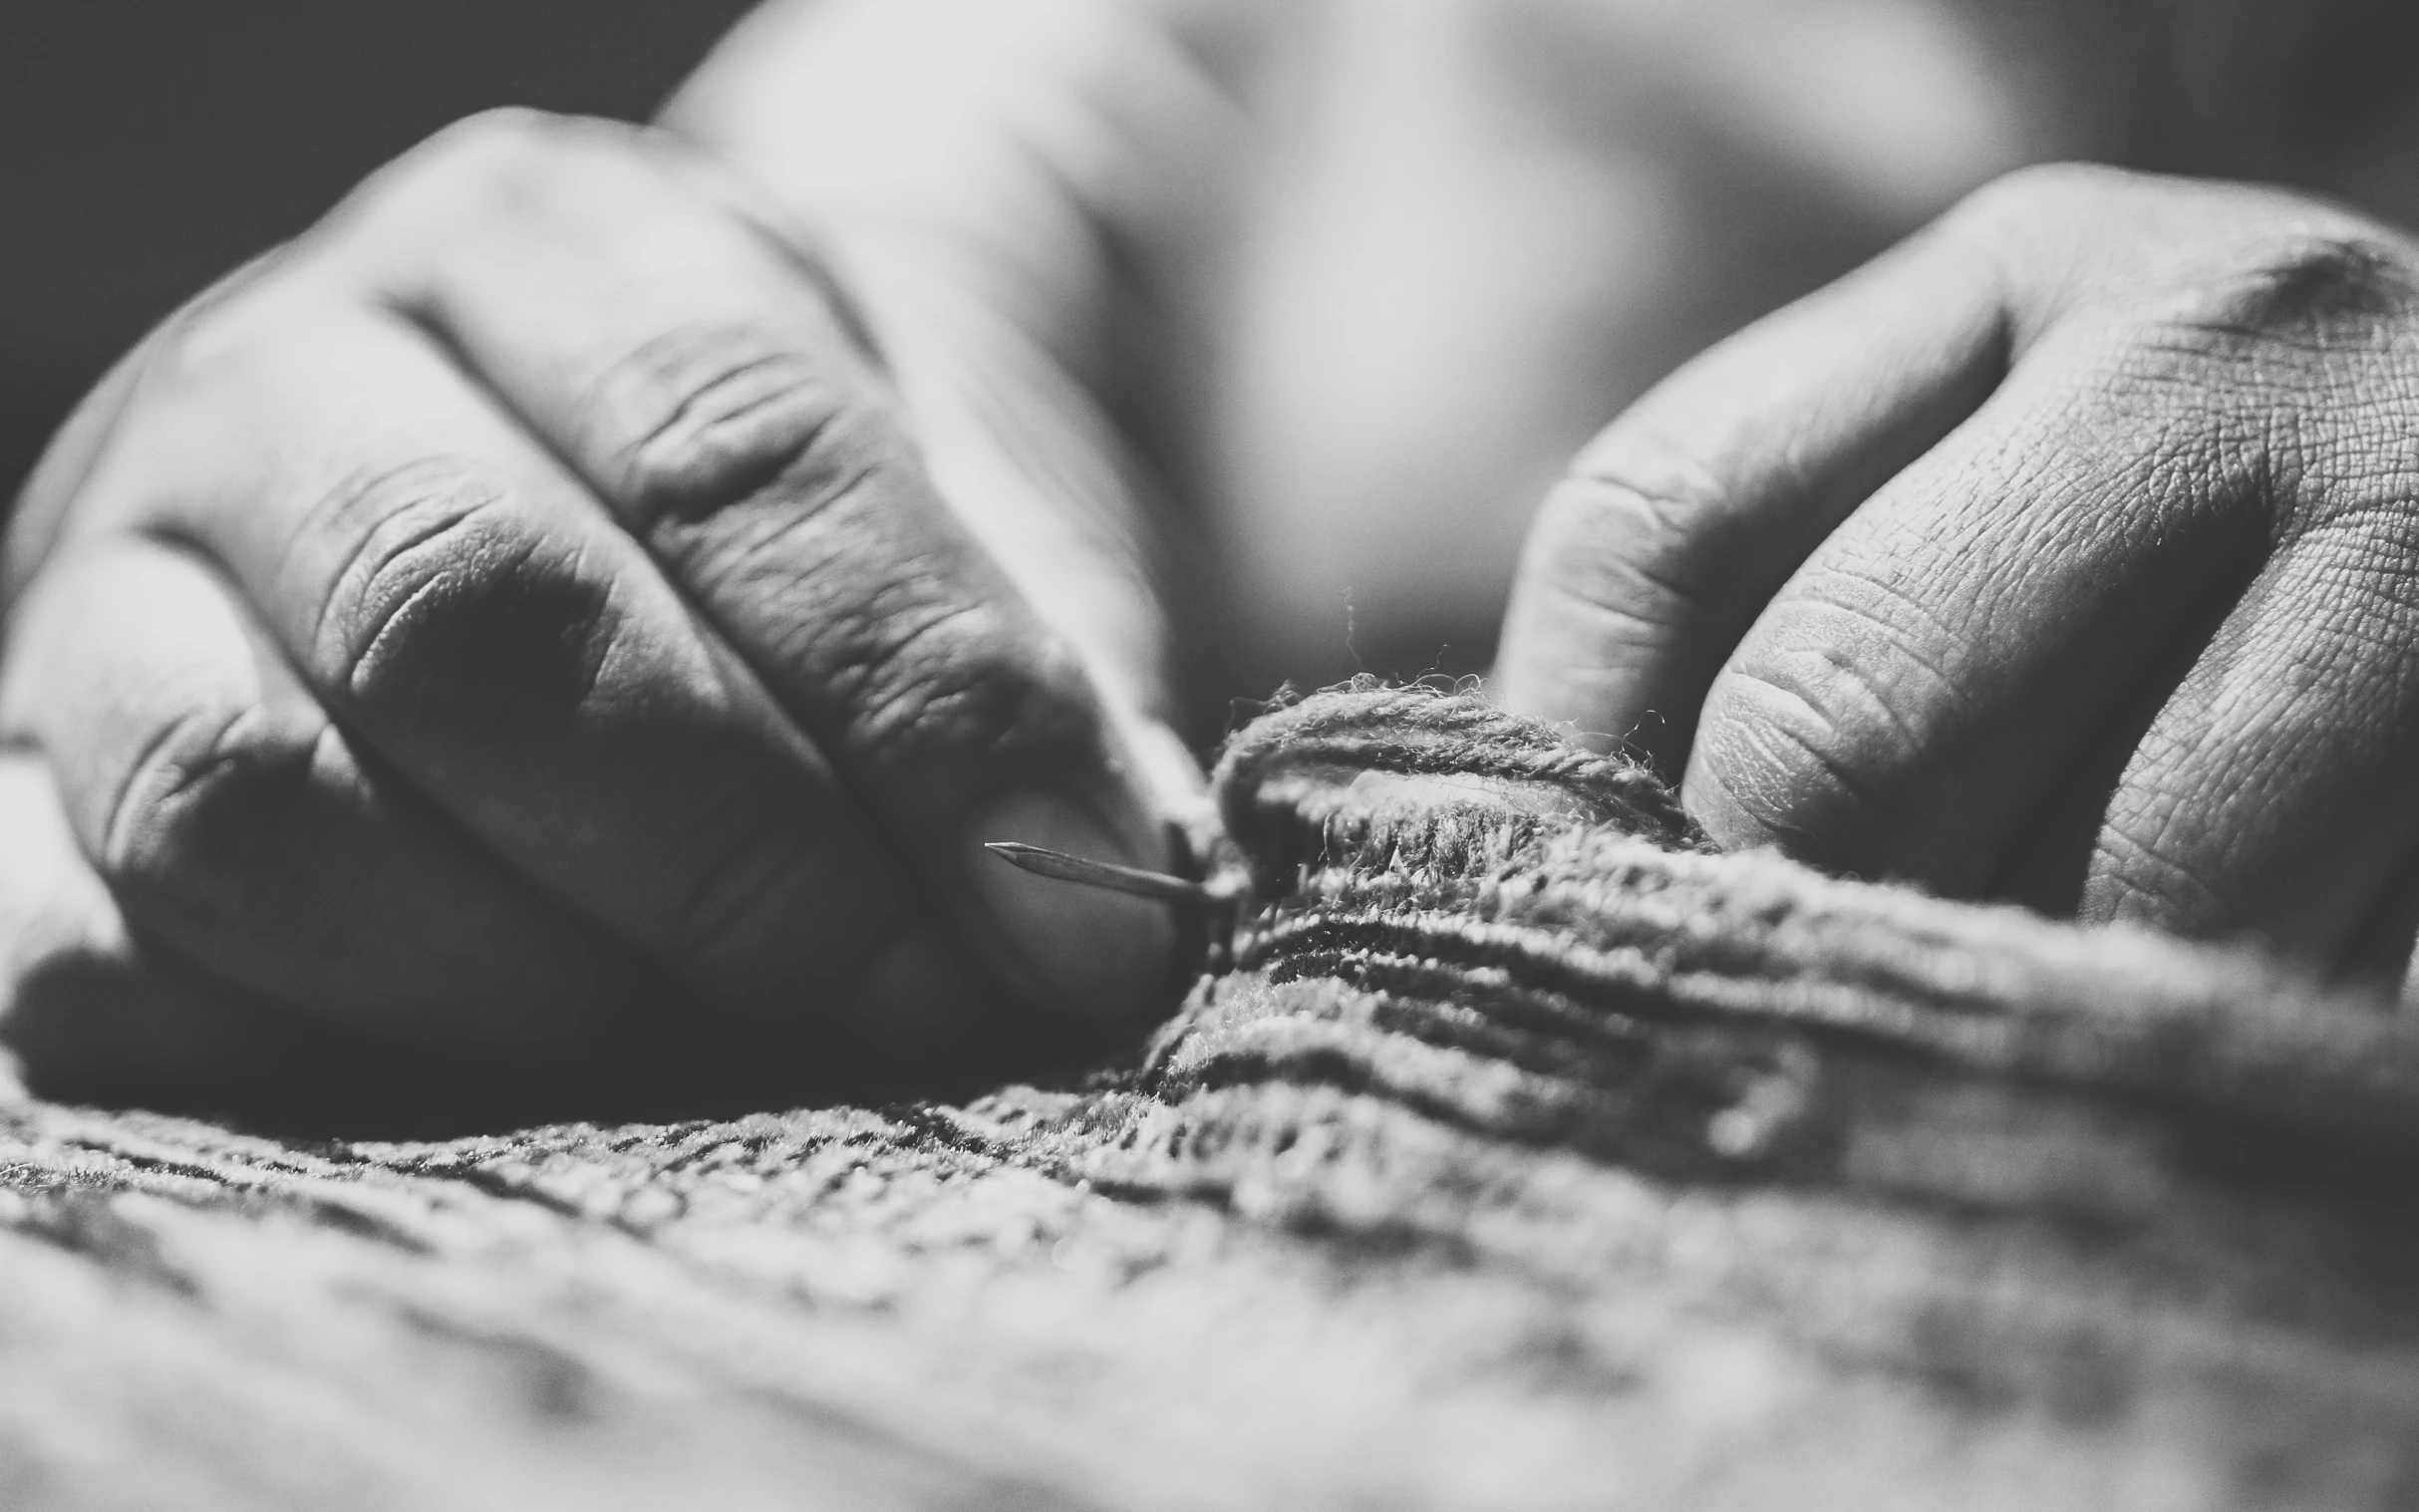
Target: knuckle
(211, 355)
(886, 621)
(2044, 193)
(2313, 284)
(711, 416)
(1608, 566)
(499, 164)
(449, 604)
(1631, 528)
(199, 808)
(2046, 235)
(1816, 732)
(1784, 758)
(966, 680)
(506, 148)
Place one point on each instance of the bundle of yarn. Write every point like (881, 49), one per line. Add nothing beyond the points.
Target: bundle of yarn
(1518, 1152)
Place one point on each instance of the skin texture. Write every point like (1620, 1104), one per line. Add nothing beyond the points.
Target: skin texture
(567, 598)
(2068, 553)
(517, 616)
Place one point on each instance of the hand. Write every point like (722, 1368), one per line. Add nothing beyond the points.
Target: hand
(2069, 552)
(518, 607)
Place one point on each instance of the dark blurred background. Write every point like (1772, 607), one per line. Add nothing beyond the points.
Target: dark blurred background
(148, 145)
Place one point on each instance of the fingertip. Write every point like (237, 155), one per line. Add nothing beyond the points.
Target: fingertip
(1718, 812)
(1748, 779)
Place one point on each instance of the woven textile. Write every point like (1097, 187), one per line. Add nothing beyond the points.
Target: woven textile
(1520, 1154)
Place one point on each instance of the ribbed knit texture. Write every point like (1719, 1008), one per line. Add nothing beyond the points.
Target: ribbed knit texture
(1527, 1154)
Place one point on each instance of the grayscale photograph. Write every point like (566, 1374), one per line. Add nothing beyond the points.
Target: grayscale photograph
(1209, 755)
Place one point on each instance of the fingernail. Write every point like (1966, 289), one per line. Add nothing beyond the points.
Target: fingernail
(1079, 951)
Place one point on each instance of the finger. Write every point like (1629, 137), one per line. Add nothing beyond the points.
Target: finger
(709, 393)
(1943, 659)
(86, 1015)
(2377, 955)
(456, 601)
(2272, 792)
(1679, 522)
(234, 822)
(39, 514)
(94, 1010)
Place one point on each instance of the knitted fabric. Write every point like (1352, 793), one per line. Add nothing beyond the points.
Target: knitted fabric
(1522, 1153)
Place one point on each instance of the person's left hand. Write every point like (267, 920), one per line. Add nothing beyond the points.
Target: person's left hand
(2068, 553)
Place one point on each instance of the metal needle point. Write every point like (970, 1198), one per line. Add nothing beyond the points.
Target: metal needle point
(1126, 879)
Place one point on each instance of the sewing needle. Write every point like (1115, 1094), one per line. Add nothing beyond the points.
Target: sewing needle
(1126, 879)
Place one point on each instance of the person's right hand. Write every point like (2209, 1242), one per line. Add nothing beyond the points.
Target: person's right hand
(517, 606)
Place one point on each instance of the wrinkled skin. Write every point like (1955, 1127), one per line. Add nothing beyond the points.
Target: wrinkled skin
(514, 620)
(2069, 552)
(522, 624)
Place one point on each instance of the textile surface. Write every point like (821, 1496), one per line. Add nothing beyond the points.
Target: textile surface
(1518, 1152)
